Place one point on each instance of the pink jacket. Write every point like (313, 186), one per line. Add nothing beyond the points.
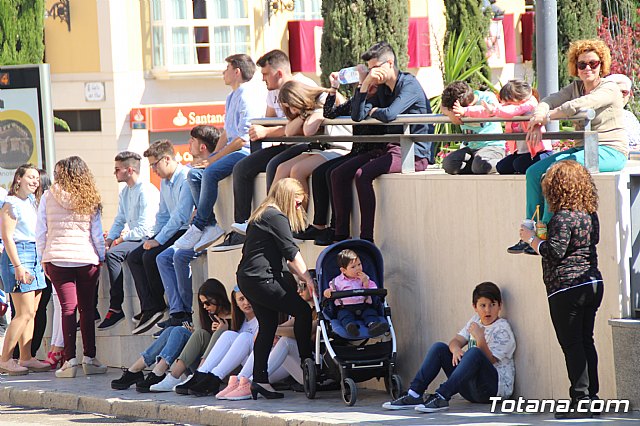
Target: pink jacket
(509, 111)
(68, 234)
(343, 283)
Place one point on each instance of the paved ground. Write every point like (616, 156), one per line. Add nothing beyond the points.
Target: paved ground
(19, 416)
(93, 395)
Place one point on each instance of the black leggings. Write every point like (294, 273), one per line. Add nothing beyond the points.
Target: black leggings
(268, 298)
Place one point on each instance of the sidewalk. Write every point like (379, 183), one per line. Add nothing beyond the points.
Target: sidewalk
(93, 394)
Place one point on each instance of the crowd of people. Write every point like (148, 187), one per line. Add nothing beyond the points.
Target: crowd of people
(54, 244)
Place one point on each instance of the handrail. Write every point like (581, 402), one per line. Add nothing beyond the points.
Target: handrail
(407, 139)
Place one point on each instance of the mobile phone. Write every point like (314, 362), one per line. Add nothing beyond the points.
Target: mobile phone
(187, 324)
(213, 318)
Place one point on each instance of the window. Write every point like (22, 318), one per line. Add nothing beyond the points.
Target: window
(80, 120)
(195, 35)
(306, 10)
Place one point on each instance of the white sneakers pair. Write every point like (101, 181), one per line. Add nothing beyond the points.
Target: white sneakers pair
(89, 365)
(199, 240)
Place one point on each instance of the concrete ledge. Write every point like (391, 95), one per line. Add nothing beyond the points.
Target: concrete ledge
(96, 396)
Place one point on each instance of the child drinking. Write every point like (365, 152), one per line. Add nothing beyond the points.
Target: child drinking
(485, 370)
(570, 273)
(516, 98)
(351, 309)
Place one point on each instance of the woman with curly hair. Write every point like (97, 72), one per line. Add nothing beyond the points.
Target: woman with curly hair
(590, 61)
(21, 270)
(570, 272)
(71, 246)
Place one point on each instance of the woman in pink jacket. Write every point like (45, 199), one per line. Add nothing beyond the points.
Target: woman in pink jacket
(70, 243)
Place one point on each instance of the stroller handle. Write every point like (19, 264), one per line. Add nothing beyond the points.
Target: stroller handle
(360, 292)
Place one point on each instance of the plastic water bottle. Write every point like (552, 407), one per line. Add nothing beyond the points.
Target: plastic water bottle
(348, 75)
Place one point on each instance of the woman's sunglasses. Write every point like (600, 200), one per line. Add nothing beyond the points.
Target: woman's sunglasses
(209, 303)
(592, 64)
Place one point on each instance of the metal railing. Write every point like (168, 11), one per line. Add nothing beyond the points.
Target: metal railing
(406, 139)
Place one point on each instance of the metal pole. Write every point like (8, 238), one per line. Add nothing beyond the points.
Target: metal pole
(547, 50)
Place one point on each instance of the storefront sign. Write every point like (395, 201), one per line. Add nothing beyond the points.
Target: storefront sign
(181, 118)
(138, 118)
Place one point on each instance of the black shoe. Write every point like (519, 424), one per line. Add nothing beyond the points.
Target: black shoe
(209, 385)
(157, 333)
(352, 329)
(148, 320)
(256, 390)
(311, 233)
(126, 380)
(137, 316)
(530, 250)
(573, 412)
(151, 379)
(378, 328)
(175, 320)
(325, 238)
(111, 320)
(232, 241)
(183, 389)
(518, 248)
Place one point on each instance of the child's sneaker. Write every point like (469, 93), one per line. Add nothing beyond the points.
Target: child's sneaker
(352, 329)
(406, 401)
(435, 402)
(378, 328)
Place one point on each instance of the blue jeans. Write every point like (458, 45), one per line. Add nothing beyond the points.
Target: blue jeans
(167, 346)
(475, 378)
(204, 186)
(610, 160)
(175, 270)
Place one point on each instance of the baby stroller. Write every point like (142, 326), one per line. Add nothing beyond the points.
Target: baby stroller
(339, 356)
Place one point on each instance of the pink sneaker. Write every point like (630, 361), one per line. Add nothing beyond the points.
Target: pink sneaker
(243, 391)
(231, 386)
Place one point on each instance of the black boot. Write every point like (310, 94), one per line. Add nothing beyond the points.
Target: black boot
(183, 389)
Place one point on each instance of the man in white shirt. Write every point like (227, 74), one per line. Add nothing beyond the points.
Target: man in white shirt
(276, 70)
(137, 209)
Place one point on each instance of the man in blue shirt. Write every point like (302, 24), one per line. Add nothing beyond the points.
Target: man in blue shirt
(137, 208)
(176, 206)
(246, 101)
(398, 93)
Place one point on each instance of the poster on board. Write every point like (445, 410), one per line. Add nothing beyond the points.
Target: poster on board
(26, 119)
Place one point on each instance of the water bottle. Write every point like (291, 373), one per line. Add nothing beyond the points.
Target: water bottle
(348, 75)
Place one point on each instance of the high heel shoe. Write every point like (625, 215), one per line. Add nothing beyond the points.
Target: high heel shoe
(256, 390)
(54, 359)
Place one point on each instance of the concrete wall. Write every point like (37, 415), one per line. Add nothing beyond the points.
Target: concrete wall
(440, 236)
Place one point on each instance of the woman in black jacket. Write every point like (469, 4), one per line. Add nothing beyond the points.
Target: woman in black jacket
(264, 278)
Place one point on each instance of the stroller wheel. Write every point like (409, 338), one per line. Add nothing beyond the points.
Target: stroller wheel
(310, 378)
(393, 385)
(349, 391)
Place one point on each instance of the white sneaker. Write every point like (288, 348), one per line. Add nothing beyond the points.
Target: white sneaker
(92, 366)
(68, 369)
(210, 235)
(188, 239)
(166, 385)
(240, 228)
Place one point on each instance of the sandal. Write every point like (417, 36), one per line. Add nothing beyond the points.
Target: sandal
(54, 359)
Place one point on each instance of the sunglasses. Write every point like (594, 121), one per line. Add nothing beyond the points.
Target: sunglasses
(209, 303)
(592, 64)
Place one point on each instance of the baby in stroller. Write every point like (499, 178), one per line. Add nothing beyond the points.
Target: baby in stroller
(351, 309)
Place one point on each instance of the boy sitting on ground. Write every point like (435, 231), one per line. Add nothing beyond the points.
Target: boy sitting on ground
(485, 370)
(351, 309)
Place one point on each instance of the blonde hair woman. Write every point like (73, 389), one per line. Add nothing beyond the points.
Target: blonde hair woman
(263, 276)
(71, 246)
